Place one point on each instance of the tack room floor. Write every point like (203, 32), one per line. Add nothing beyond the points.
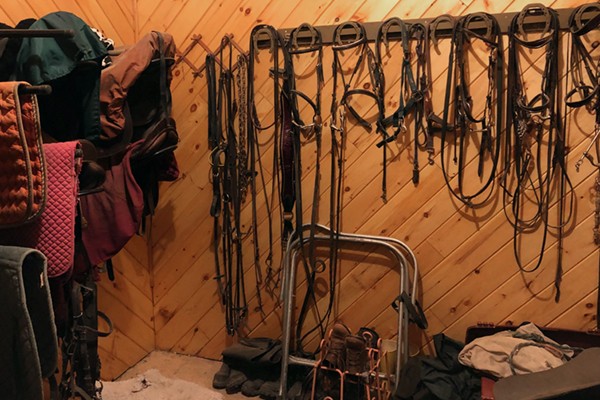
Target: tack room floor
(163, 369)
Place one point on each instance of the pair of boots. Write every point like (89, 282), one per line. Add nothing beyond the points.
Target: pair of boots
(348, 352)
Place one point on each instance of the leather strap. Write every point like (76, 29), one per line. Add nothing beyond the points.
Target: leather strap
(81, 365)
(415, 311)
(255, 160)
(211, 79)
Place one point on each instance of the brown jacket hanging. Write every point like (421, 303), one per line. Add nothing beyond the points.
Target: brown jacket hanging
(118, 80)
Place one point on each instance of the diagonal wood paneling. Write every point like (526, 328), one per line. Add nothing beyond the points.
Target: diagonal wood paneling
(468, 271)
(168, 300)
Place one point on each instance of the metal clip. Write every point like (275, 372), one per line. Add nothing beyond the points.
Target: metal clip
(586, 153)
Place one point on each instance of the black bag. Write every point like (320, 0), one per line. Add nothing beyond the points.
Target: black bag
(154, 160)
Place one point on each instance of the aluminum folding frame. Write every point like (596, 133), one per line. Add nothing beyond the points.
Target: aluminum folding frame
(399, 250)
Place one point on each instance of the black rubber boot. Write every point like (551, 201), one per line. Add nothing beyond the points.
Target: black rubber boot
(269, 390)
(251, 388)
(235, 381)
(220, 378)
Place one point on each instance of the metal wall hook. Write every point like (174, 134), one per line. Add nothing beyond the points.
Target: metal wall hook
(38, 90)
(29, 33)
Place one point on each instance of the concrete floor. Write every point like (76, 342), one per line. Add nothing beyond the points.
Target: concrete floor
(192, 369)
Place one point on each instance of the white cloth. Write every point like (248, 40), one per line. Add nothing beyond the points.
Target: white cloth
(491, 354)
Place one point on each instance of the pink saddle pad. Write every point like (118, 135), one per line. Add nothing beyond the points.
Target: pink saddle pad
(53, 233)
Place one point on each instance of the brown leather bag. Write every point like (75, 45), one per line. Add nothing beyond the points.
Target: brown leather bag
(22, 167)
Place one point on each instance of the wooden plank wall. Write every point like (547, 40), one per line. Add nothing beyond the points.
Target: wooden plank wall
(467, 267)
(166, 298)
(128, 301)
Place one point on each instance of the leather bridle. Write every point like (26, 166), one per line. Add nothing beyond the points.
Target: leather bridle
(291, 95)
(350, 89)
(415, 83)
(488, 127)
(255, 159)
(529, 120)
(434, 121)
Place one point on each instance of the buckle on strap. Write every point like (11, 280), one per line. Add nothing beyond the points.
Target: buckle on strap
(288, 216)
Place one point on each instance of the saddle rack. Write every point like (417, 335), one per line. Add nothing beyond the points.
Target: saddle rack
(404, 258)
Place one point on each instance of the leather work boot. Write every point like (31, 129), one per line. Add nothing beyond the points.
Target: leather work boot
(336, 353)
(356, 354)
(371, 337)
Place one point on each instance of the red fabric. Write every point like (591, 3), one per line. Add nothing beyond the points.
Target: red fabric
(53, 233)
(114, 215)
(22, 166)
(487, 388)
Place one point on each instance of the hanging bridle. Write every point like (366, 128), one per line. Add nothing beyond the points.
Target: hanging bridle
(415, 83)
(272, 277)
(227, 191)
(531, 122)
(488, 127)
(434, 121)
(299, 128)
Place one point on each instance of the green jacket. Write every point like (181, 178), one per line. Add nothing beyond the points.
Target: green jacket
(73, 109)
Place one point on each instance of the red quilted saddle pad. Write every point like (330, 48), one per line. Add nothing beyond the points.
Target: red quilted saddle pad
(53, 233)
